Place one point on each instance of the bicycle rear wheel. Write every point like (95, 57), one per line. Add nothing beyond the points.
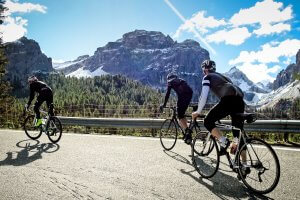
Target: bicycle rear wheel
(168, 134)
(54, 129)
(205, 155)
(29, 127)
(264, 166)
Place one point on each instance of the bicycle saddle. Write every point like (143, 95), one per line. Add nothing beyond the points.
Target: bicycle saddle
(248, 117)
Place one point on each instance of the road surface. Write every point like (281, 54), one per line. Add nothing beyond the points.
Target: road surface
(117, 167)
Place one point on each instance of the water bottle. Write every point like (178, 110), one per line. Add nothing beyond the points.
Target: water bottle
(234, 144)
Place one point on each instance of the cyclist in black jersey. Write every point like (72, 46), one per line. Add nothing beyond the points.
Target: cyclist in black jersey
(184, 95)
(231, 102)
(44, 94)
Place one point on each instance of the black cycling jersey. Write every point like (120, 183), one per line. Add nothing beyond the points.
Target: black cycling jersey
(221, 86)
(37, 87)
(181, 88)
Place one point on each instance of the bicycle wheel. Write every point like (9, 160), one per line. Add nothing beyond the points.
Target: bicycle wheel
(264, 166)
(168, 134)
(54, 129)
(205, 155)
(31, 131)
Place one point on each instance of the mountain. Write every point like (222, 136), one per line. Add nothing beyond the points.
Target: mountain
(285, 87)
(252, 91)
(24, 59)
(146, 56)
(286, 76)
(61, 65)
(289, 92)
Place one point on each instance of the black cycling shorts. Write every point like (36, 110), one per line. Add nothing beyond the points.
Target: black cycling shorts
(228, 105)
(183, 103)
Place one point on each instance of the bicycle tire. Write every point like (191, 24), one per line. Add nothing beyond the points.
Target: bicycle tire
(205, 160)
(168, 134)
(254, 147)
(29, 127)
(54, 129)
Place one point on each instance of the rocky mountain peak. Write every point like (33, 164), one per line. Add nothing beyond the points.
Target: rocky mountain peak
(286, 76)
(142, 39)
(25, 58)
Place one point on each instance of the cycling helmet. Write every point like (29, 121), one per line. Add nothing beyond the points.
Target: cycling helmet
(32, 79)
(171, 77)
(208, 64)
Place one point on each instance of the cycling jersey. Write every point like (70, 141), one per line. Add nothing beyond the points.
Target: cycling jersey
(45, 94)
(181, 88)
(220, 85)
(37, 87)
(184, 94)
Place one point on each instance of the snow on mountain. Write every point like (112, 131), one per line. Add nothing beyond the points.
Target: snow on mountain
(251, 91)
(289, 91)
(61, 65)
(81, 72)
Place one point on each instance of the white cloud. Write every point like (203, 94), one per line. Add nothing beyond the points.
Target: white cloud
(264, 13)
(14, 7)
(258, 72)
(235, 36)
(14, 28)
(199, 22)
(269, 53)
(255, 64)
(267, 29)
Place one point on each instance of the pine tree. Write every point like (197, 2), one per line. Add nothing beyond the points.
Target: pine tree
(6, 100)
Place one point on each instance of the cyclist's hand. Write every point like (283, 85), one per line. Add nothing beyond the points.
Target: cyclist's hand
(195, 115)
(161, 108)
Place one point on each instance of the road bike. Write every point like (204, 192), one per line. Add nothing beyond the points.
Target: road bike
(170, 128)
(254, 160)
(51, 126)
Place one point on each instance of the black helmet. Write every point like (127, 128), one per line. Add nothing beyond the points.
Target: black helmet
(171, 77)
(32, 79)
(209, 64)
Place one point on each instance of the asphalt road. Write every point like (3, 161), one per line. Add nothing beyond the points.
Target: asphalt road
(118, 167)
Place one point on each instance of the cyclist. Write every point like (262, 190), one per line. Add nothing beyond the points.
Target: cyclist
(231, 102)
(44, 94)
(184, 95)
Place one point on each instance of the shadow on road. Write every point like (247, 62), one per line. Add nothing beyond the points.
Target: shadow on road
(222, 185)
(31, 150)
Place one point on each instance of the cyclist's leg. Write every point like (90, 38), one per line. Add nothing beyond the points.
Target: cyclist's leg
(49, 101)
(239, 107)
(218, 112)
(36, 109)
(182, 105)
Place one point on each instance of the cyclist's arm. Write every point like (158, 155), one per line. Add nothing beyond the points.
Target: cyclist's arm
(167, 95)
(31, 96)
(202, 98)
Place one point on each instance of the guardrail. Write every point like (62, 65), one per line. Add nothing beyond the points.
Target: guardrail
(275, 126)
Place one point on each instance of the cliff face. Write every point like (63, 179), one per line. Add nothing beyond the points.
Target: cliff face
(286, 76)
(146, 56)
(24, 59)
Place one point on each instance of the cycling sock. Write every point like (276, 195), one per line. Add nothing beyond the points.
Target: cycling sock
(223, 140)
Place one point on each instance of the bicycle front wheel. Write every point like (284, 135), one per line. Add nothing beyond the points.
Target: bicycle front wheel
(205, 155)
(54, 129)
(29, 127)
(168, 134)
(264, 166)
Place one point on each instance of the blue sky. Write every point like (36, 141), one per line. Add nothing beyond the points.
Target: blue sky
(259, 37)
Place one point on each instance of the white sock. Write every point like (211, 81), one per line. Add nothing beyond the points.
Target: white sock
(223, 140)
